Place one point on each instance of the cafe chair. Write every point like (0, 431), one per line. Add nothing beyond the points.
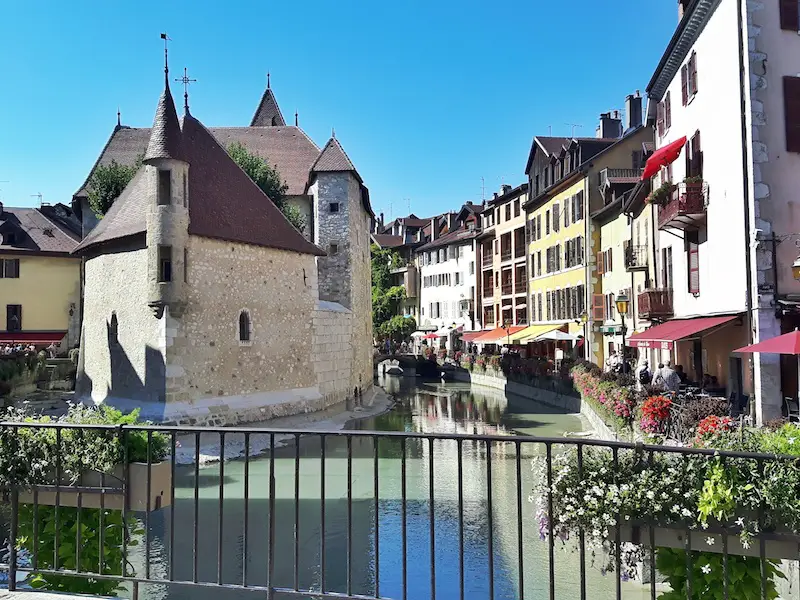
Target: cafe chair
(792, 410)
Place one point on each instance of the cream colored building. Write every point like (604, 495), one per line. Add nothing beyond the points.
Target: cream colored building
(503, 261)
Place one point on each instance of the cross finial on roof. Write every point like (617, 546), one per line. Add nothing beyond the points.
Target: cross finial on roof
(268, 80)
(119, 118)
(185, 81)
(296, 119)
(166, 58)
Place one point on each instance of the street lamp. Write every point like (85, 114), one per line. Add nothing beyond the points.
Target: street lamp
(622, 308)
(796, 268)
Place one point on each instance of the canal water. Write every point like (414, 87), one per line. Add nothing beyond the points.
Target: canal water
(375, 544)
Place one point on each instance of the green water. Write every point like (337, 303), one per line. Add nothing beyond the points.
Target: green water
(423, 407)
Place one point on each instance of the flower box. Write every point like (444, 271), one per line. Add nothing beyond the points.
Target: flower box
(138, 500)
(777, 545)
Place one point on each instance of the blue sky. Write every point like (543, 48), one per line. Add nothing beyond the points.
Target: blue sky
(426, 97)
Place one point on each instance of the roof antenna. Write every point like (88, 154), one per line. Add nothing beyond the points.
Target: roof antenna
(573, 125)
(549, 130)
(333, 133)
(483, 189)
(39, 196)
(185, 81)
(166, 58)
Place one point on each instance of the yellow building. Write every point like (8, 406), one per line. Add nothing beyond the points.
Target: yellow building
(41, 279)
(567, 178)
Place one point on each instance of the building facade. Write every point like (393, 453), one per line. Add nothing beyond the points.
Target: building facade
(502, 249)
(41, 288)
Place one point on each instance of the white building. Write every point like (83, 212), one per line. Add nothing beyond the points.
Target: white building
(729, 277)
(448, 278)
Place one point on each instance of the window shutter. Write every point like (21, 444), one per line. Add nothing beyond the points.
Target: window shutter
(668, 110)
(580, 205)
(694, 268)
(791, 103)
(660, 118)
(609, 266)
(580, 251)
(598, 307)
(600, 262)
(790, 15)
(566, 214)
(693, 74)
(556, 217)
(684, 85)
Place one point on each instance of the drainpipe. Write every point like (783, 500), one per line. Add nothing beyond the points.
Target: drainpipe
(746, 189)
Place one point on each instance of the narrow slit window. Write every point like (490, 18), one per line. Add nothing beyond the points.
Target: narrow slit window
(164, 264)
(244, 326)
(185, 265)
(164, 187)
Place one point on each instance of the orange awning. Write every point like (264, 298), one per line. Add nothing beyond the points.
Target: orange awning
(496, 335)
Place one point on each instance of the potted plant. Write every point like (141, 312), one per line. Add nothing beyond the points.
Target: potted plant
(662, 194)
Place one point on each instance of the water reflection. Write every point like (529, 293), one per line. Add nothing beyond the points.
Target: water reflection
(439, 533)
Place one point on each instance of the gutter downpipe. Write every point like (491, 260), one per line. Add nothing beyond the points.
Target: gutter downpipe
(746, 195)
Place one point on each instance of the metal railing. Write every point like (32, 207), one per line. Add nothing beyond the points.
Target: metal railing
(635, 256)
(488, 259)
(655, 303)
(505, 254)
(507, 288)
(352, 514)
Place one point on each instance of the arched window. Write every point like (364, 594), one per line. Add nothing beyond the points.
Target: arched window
(113, 329)
(244, 326)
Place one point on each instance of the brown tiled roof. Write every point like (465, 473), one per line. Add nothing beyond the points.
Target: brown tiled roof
(224, 203)
(459, 235)
(384, 240)
(287, 147)
(552, 145)
(333, 158)
(165, 135)
(34, 232)
(268, 113)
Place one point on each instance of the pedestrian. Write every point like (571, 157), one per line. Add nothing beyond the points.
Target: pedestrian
(644, 376)
(667, 378)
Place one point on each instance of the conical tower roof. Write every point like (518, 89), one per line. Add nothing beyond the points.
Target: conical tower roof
(165, 136)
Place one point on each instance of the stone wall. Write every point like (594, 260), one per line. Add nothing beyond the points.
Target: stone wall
(333, 229)
(498, 381)
(205, 357)
(129, 365)
(333, 355)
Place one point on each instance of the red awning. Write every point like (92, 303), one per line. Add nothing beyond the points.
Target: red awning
(496, 335)
(31, 337)
(662, 157)
(470, 336)
(665, 335)
(788, 343)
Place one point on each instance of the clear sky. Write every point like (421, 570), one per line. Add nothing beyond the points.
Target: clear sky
(426, 96)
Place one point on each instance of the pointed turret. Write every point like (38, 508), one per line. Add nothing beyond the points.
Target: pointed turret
(268, 114)
(333, 158)
(165, 137)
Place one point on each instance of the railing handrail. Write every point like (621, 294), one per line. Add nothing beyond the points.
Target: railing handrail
(178, 429)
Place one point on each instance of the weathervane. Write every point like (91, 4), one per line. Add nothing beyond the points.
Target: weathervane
(185, 80)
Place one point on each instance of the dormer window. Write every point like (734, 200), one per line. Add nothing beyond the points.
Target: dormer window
(10, 238)
(164, 187)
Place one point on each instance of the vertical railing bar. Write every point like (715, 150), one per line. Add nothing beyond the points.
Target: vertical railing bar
(35, 557)
(195, 534)
(404, 515)
(147, 513)
(460, 448)
(581, 533)
(296, 511)
(221, 505)
(126, 499)
(322, 513)
(349, 515)
(689, 568)
(58, 500)
(652, 549)
(489, 516)
(271, 522)
(246, 523)
(725, 566)
(550, 541)
(377, 518)
(173, 448)
(12, 555)
(78, 512)
(762, 542)
(617, 533)
(100, 533)
(432, 520)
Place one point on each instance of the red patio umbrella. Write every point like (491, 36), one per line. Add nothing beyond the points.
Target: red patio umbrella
(788, 343)
(662, 157)
(430, 336)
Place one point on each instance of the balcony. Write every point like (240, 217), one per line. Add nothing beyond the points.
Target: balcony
(488, 295)
(505, 254)
(521, 287)
(488, 259)
(609, 177)
(508, 288)
(635, 256)
(686, 207)
(655, 304)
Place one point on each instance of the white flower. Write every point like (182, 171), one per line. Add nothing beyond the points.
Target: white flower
(686, 512)
(704, 525)
(650, 494)
(791, 440)
(710, 541)
(676, 508)
(740, 521)
(745, 544)
(706, 569)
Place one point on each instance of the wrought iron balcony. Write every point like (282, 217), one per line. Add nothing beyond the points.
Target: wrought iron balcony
(487, 260)
(609, 177)
(635, 256)
(508, 288)
(655, 304)
(686, 207)
(505, 254)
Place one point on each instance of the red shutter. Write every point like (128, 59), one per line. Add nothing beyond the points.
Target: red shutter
(790, 15)
(598, 307)
(791, 103)
(600, 261)
(684, 85)
(694, 268)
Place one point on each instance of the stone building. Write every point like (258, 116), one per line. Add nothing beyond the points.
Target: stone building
(202, 302)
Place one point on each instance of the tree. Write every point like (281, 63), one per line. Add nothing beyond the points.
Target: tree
(387, 300)
(399, 327)
(107, 183)
(268, 178)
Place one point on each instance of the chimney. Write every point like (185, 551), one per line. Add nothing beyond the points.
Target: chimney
(434, 229)
(495, 196)
(505, 188)
(381, 220)
(451, 217)
(610, 125)
(633, 111)
(469, 202)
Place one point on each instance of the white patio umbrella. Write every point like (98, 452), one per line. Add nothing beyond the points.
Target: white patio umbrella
(558, 336)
